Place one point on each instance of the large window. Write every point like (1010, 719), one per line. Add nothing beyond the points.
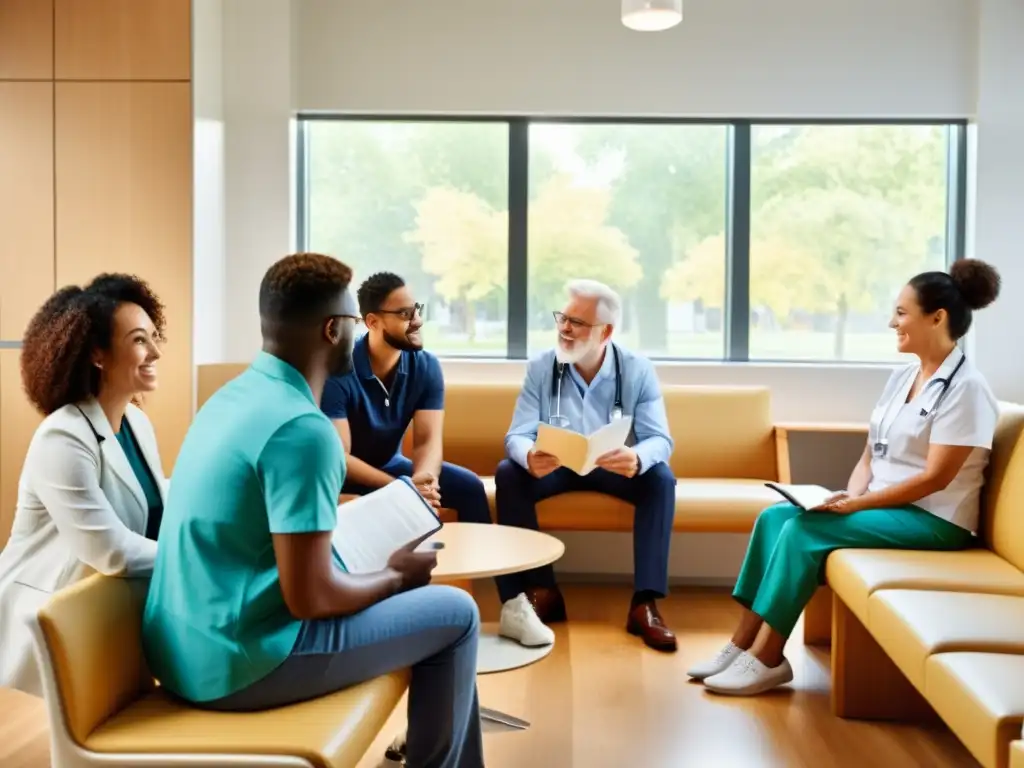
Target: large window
(628, 205)
(728, 240)
(427, 200)
(840, 217)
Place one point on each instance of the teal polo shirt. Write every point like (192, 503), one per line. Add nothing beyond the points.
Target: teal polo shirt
(260, 458)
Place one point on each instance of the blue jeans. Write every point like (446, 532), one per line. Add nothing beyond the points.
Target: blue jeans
(433, 630)
(461, 489)
(653, 493)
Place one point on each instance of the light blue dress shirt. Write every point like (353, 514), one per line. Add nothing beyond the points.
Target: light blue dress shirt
(589, 407)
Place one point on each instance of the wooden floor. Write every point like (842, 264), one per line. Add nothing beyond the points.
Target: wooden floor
(23, 734)
(603, 700)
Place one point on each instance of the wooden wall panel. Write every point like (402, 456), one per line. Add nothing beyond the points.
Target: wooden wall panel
(26, 202)
(123, 39)
(26, 40)
(124, 204)
(18, 422)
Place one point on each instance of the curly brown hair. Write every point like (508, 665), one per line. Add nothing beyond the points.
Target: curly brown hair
(302, 287)
(57, 349)
(970, 285)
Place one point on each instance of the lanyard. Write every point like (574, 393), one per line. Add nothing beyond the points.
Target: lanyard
(558, 373)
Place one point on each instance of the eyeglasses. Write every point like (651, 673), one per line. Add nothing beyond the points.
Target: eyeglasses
(356, 320)
(575, 322)
(405, 313)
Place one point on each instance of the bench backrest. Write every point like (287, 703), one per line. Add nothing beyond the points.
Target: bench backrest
(1002, 521)
(721, 431)
(718, 431)
(92, 645)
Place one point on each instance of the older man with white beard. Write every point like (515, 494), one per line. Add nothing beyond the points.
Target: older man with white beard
(583, 384)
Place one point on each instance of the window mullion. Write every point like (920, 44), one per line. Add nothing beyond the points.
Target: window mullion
(518, 213)
(737, 268)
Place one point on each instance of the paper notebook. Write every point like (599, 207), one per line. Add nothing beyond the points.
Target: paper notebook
(579, 452)
(804, 496)
(372, 527)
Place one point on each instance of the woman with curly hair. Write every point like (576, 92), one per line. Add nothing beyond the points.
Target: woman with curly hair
(92, 488)
(917, 485)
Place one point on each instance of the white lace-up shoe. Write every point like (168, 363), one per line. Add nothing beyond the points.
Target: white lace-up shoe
(749, 676)
(719, 663)
(520, 622)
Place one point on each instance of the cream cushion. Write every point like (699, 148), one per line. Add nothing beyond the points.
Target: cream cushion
(981, 698)
(856, 574)
(911, 626)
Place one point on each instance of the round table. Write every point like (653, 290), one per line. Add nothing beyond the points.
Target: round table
(480, 551)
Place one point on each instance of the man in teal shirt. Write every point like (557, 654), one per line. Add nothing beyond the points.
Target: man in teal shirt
(248, 607)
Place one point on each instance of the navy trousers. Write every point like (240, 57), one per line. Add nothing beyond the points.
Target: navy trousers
(653, 493)
(461, 489)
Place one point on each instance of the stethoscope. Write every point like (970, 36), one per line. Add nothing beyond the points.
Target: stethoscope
(558, 373)
(880, 447)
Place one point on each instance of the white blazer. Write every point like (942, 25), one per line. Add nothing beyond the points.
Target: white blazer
(80, 510)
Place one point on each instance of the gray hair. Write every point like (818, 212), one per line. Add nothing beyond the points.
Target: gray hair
(609, 305)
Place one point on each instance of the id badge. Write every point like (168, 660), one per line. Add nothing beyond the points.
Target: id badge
(880, 449)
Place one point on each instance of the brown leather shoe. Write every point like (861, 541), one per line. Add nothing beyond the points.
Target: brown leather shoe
(548, 603)
(645, 621)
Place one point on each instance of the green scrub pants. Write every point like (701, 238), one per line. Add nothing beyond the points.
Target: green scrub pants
(784, 562)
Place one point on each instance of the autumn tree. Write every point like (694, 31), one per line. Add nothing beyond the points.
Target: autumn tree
(668, 196)
(464, 243)
(569, 237)
(858, 208)
(779, 275)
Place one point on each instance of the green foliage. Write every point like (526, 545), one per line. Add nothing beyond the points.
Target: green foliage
(841, 215)
(569, 238)
(668, 196)
(464, 242)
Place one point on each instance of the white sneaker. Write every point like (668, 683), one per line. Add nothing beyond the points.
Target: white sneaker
(749, 676)
(521, 623)
(720, 663)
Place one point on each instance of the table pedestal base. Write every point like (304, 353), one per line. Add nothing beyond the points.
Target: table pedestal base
(494, 654)
(499, 654)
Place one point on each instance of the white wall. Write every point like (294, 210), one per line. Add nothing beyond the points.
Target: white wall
(209, 287)
(998, 221)
(822, 58)
(788, 58)
(258, 159)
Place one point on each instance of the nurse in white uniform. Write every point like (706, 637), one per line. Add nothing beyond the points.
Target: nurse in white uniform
(916, 486)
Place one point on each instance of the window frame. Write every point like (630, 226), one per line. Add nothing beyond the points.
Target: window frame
(738, 159)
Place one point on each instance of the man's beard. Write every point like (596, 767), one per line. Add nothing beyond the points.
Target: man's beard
(580, 349)
(403, 343)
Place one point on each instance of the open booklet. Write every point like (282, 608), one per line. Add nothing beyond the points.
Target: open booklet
(579, 452)
(804, 496)
(371, 528)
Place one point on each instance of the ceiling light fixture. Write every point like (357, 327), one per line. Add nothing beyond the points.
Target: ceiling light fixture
(651, 15)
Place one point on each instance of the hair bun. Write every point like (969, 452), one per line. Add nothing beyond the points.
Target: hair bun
(978, 281)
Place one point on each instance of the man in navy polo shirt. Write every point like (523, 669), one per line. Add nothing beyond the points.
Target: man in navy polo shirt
(395, 382)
